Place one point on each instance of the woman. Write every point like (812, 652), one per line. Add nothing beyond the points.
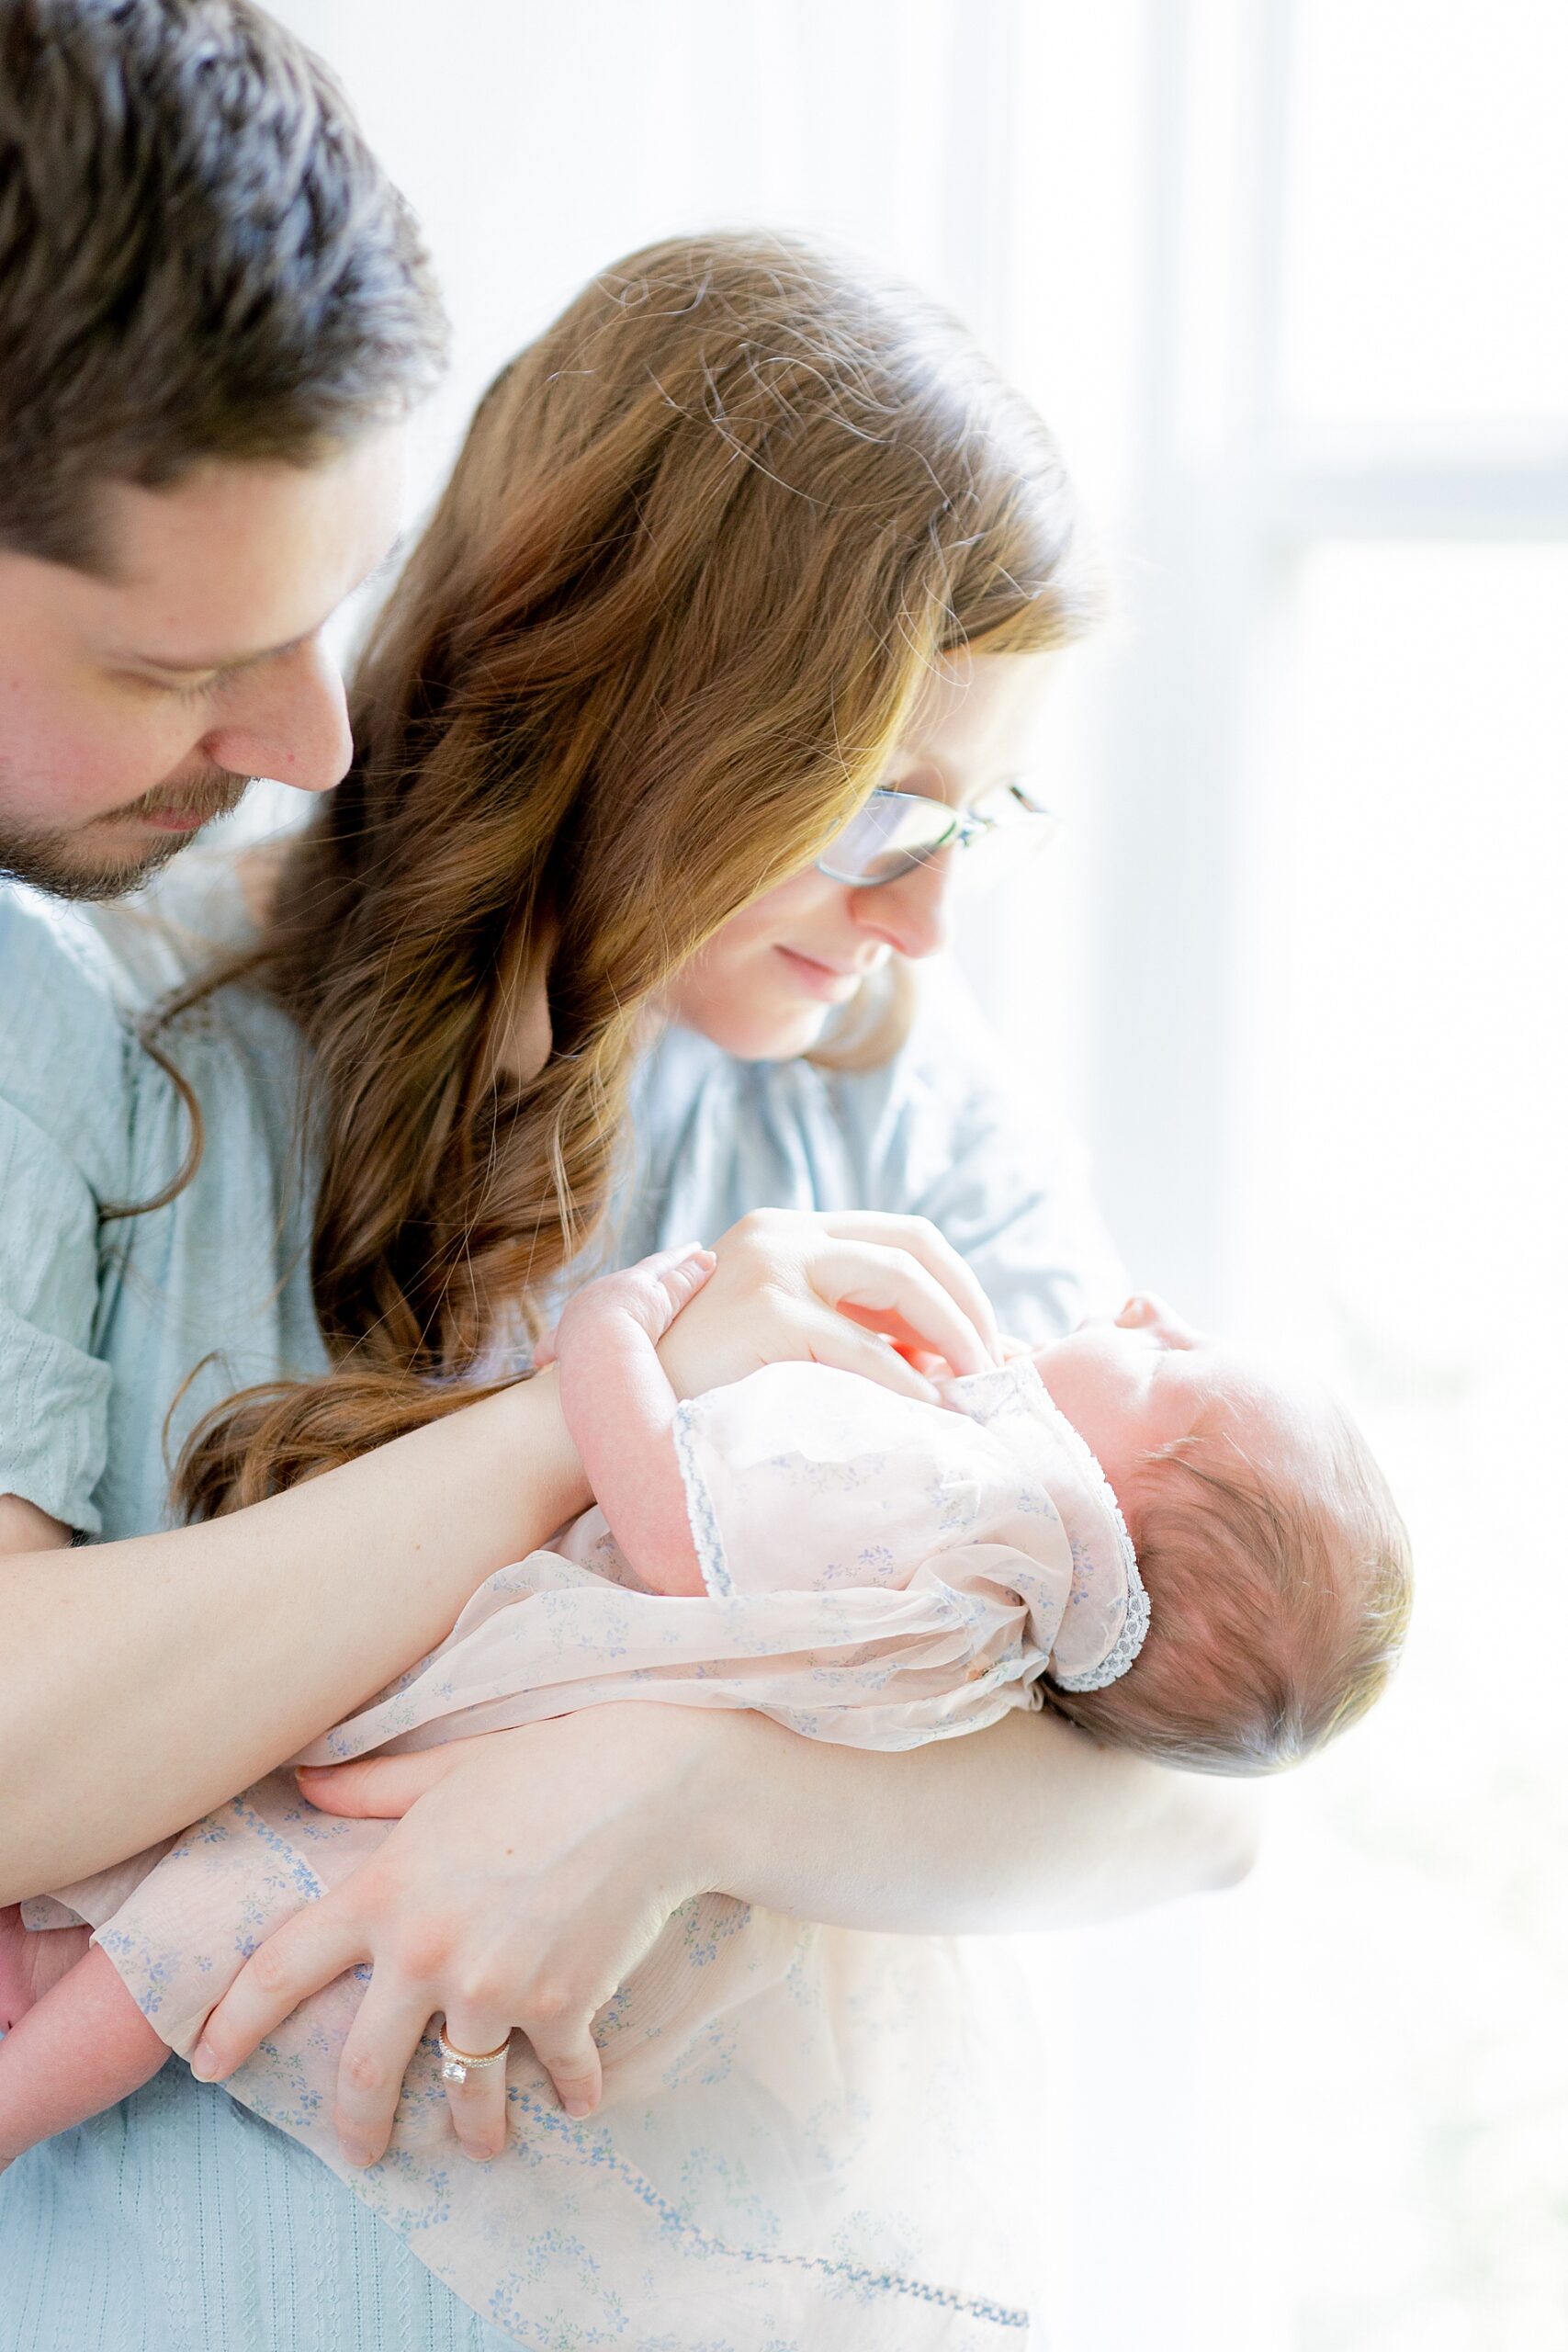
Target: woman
(742, 536)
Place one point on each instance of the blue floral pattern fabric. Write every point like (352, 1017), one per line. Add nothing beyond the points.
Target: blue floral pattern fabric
(185, 2220)
(880, 1571)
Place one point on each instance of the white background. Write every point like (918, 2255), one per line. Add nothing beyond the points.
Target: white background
(1288, 282)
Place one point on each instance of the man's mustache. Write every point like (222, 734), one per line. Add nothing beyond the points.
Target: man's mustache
(213, 795)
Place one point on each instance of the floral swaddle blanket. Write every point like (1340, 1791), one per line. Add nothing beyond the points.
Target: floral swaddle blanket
(878, 1572)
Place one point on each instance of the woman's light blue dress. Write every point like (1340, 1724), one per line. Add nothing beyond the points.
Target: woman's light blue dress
(179, 2221)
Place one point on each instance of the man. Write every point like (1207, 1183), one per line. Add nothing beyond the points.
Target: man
(214, 312)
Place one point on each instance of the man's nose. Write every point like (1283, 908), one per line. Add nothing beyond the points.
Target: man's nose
(909, 914)
(291, 723)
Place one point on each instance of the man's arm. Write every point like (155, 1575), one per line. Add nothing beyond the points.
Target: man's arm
(24, 1528)
(1030, 1825)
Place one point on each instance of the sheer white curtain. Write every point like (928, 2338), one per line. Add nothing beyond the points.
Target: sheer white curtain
(1288, 281)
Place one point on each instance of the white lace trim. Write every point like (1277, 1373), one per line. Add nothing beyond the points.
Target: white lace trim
(990, 1397)
(1136, 1616)
(700, 1512)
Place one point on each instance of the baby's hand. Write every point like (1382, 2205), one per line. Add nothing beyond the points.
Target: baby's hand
(650, 1295)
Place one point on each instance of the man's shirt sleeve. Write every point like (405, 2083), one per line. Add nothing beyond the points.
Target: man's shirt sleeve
(64, 1150)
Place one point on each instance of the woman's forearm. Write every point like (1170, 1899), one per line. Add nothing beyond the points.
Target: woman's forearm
(143, 1683)
(1026, 1825)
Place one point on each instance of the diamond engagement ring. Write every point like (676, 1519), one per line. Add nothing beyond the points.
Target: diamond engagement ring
(457, 2065)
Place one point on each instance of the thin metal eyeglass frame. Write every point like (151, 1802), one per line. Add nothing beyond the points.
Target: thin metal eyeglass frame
(966, 826)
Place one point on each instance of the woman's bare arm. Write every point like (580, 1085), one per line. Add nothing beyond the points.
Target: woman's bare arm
(143, 1683)
(530, 1870)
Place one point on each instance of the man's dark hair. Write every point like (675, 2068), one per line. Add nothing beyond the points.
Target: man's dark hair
(199, 257)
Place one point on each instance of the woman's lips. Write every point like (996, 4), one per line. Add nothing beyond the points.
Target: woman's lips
(827, 982)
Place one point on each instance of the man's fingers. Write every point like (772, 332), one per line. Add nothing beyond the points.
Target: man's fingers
(307, 1952)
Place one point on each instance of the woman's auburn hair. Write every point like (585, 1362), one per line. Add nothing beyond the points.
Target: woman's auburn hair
(704, 542)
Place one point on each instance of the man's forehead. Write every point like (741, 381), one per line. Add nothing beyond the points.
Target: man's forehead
(237, 560)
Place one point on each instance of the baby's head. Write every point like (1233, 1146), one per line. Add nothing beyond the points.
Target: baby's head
(1277, 1566)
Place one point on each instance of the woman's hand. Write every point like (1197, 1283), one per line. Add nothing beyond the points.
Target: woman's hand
(528, 1874)
(533, 1870)
(836, 1287)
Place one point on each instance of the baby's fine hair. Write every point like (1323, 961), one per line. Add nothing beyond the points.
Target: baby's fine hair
(1278, 1607)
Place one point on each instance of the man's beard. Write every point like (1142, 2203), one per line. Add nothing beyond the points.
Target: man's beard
(58, 859)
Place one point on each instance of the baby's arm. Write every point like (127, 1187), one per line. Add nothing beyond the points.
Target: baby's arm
(77, 2049)
(620, 1409)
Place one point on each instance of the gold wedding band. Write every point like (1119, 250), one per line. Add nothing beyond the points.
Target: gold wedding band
(457, 2065)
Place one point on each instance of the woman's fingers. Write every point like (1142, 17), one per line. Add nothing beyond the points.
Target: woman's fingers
(565, 2048)
(848, 1348)
(896, 1292)
(921, 1240)
(377, 1788)
(388, 2028)
(479, 2101)
(307, 1952)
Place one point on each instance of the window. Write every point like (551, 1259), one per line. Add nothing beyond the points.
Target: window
(1331, 986)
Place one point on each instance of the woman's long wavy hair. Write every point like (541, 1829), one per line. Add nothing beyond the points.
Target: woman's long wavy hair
(704, 542)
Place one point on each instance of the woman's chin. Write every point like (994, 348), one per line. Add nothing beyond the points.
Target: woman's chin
(754, 1036)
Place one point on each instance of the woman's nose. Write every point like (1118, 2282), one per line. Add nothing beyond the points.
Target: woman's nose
(910, 913)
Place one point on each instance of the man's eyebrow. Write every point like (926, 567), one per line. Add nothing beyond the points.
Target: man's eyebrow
(178, 664)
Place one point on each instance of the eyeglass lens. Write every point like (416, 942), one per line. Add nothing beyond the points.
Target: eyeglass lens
(895, 830)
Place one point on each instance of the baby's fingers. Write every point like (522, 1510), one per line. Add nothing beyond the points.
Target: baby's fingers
(656, 1288)
(681, 1273)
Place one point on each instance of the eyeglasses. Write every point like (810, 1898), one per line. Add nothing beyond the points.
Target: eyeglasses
(896, 831)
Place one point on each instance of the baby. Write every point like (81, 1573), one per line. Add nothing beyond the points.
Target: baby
(1136, 1526)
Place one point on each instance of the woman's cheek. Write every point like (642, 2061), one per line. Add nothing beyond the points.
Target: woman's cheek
(743, 1003)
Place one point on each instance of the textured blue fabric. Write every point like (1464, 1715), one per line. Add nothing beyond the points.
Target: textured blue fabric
(179, 2223)
(105, 1324)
